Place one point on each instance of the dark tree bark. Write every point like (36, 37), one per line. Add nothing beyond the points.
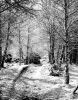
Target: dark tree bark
(75, 90)
(67, 40)
(6, 46)
(27, 56)
(0, 43)
(62, 58)
(58, 51)
(20, 47)
(51, 53)
(52, 44)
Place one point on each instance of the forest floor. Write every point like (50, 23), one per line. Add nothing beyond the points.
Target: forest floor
(37, 83)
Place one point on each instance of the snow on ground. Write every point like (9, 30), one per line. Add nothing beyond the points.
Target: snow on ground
(73, 74)
(39, 71)
(37, 81)
(16, 66)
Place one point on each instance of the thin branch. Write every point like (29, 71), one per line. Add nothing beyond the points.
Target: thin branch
(61, 37)
(73, 13)
(18, 5)
(70, 4)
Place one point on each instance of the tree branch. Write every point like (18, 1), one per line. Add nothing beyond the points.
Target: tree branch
(17, 4)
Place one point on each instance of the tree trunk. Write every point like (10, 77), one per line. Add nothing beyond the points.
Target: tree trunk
(58, 54)
(27, 57)
(0, 43)
(6, 46)
(67, 47)
(20, 47)
(51, 53)
(62, 58)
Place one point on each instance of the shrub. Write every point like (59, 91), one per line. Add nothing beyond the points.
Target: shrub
(33, 58)
(55, 70)
(8, 58)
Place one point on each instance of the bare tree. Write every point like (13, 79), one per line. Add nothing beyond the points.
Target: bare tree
(0, 43)
(66, 2)
(47, 19)
(65, 19)
(52, 45)
(6, 46)
(20, 46)
(15, 6)
(70, 15)
(28, 47)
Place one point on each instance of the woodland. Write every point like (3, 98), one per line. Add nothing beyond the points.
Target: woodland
(39, 49)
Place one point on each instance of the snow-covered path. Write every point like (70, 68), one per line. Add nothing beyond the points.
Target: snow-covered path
(38, 81)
